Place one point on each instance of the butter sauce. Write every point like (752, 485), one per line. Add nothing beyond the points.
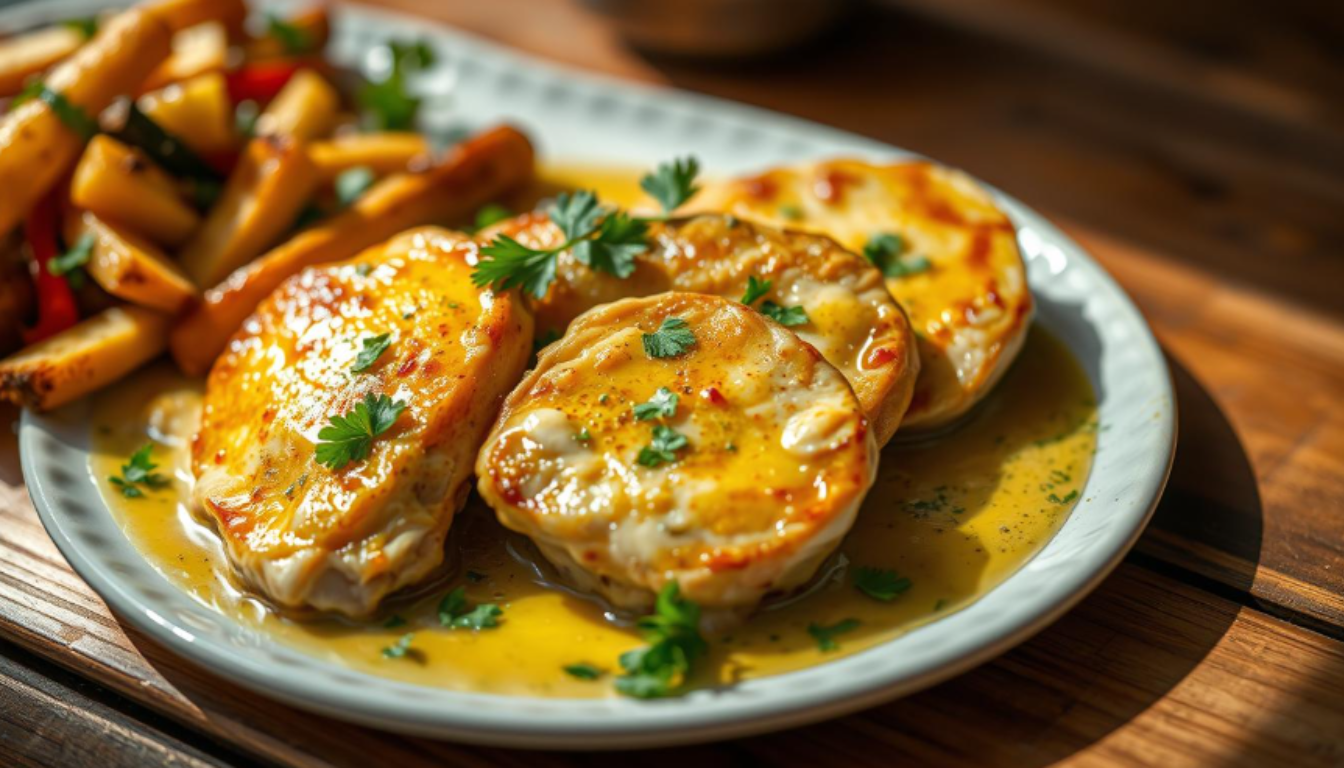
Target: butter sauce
(955, 515)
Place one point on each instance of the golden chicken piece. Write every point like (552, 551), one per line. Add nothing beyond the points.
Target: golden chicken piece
(949, 253)
(398, 325)
(834, 300)
(681, 437)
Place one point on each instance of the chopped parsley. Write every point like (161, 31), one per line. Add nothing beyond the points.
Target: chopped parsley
(290, 36)
(672, 338)
(492, 213)
(400, 648)
(789, 316)
(374, 347)
(1070, 496)
(353, 183)
(886, 252)
(138, 474)
(825, 636)
(756, 288)
(387, 105)
(880, 584)
(74, 118)
(508, 263)
(672, 184)
(349, 437)
(666, 442)
(663, 405)
(791, 212)
(583, 435)
(71, 263)
(583, 671)
(674, 643)
(453, 612)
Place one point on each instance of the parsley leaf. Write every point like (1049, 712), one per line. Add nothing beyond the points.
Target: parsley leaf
(138, 472)
(400, 648)
(387, 105)
(514, 265)
(663, 404)
(672, 338)
(350, 437)
(74, 117)
(576, 214)
(1055, 499)
(886, 250)
(491, 213)
(672, 184)
(291, 37)
(374, 346)
(353, 183)
(784, 315)
(880, 584)
(825, 636)
(673, 634)
(583, 436)
(666, 442)
(71, 263)
(584, 671)
(453, 612)
(756, 288)
(619, 240)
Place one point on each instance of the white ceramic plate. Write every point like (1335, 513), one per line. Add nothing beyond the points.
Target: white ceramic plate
(581, 117)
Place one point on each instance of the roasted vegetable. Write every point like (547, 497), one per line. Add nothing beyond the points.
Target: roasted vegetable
(197, 111)
(181, 14)
(383, 153)
(36, 146)
(120, 184)
(270, 185)
(475, 172)
(196, 51)
(24, 56)
(125, 122)
(303, 33)
(56, 308)
(305, 109)
(80, 359)
(129, 266)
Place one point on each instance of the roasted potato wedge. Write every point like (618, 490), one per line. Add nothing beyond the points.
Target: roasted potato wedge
(475, 172)
(196, 111)
(196, 51)
(81, 359)
(383, 153)
(120, 184)
(130, 267)
(32, 53)
(305, 109)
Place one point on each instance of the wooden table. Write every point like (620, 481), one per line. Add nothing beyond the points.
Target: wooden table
(1199, 153)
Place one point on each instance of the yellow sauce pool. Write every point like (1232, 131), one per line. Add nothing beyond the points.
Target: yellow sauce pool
(955, 515)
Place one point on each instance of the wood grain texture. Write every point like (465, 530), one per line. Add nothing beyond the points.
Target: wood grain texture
(1219, 642)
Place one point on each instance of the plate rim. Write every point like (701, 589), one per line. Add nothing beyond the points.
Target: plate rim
(700, 716)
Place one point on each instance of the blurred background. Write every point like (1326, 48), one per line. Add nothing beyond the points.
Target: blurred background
(1209, 130)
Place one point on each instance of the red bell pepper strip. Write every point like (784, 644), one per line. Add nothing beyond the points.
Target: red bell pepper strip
(56, 308)
(260, 82)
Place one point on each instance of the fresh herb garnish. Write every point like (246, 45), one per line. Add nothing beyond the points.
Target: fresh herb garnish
(1070, 496)
(583, 671)
(71, 263)
(353, 183)
(583, 435)
(400, 648)
(86, 26)
(789, 316)
(290, 36)
(672, 338)
(666, 442)
(453, 612)
(825, 636)
(386, 104)
(674, 642)
(663, 404)
(756, 288)
(886, 252)
(74, 118)
(374, 347)
(880, 584)
(791, 212)
(618, 239)
(138, 474)
(672, 184)
(491, 213)
(350, 437)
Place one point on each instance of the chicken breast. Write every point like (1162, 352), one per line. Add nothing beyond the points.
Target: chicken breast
(846, 311)
(339, 537)
(680, 437)
(950, 256)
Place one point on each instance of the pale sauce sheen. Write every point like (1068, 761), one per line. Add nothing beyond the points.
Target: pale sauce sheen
(955, 515)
